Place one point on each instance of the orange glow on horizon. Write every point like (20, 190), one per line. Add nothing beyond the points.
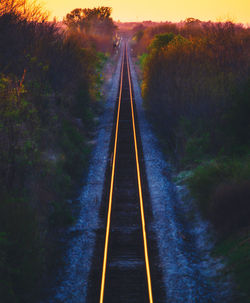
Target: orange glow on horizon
(160, 10)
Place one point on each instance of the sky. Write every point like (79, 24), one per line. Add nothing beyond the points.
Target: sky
(159, 10)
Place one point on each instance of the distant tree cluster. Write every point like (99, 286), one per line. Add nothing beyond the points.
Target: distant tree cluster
(94, 26)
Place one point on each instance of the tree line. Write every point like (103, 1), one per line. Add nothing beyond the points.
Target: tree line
(196, 90)
(49, 96)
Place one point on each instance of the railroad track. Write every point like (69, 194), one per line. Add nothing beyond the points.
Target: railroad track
(121, 264)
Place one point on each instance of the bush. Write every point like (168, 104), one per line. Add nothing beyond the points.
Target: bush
(196, 148)
(21, 253)
(236, 249)
(230, 206)
(142, 60)
(161, 40)
(221, 188)
(61, 215)
(236, 124)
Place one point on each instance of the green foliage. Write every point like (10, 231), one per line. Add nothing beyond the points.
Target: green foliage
(19, 122)
(236, 250)
(102, 60)
(142, 60)
(222, 192)
(75, 150)
(161, 40)
(197, 148)
(236, 119)
(61, 215)
(205, 179)
(144, 36)
(20, 250)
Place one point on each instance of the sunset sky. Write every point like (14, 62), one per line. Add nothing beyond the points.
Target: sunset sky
(160, 10)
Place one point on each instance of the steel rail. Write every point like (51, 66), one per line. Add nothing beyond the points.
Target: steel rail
(111, 189)
(140, 189)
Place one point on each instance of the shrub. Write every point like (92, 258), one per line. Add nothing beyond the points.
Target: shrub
(22, 260)
(61, 215)
(230, 206)
(161, 40)
(221, 188)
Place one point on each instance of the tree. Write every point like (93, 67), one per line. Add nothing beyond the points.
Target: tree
(95, 21)
(192, 21)
(161, 40)
(27, 9)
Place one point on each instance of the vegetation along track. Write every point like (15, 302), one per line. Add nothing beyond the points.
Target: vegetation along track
(125, 262)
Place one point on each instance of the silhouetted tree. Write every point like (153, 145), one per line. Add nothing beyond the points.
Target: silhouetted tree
(95, 21)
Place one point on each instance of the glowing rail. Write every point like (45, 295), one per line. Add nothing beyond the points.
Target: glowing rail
(111, 190)
(140, 191)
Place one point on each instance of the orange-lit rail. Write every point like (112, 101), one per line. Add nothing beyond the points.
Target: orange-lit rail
(140, 190)
(112, 188)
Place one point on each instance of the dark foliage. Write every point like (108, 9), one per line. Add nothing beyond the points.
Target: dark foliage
(49, 81)
(196, 92)
(231, 202)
